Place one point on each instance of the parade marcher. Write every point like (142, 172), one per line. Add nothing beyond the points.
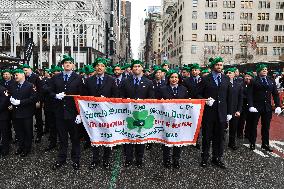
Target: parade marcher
(36, 81)
(165, 65)
(238, 77)
(245, 118)
(215, 87)
(259, 100)
(173, 90)
(193, 82)
(67, 118)
(127, 71)
(100, 85)
(185, 72)
(158, 82)
(4, 121)
(205, 72)
(237, 103)
(136, 87)
(23, 99)
(117, 73)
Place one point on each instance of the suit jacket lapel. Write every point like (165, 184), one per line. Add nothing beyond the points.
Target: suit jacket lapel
(71, 78)
(212, 80)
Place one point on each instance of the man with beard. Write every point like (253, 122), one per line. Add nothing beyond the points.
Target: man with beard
(117, 71)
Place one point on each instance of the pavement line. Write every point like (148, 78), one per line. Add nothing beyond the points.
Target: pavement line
(260, 152)
(277, 147)
(116, 169)
(257, 151)
(277, 142)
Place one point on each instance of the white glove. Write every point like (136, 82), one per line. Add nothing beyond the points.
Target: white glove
(252, 109)
(60, 96)
(278, 110)
(12, 100)
(15, 102)
(210, 101)
(229, 117)
(78, 120)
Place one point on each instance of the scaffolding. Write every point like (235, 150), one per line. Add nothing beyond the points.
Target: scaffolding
(65, 15)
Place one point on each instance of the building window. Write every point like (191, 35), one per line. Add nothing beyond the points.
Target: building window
(227, 50)
(262, 39)
(194, 37)
(278, 39)
(228, 38)
(263, 4)
(194, 26)
(279, 5)
(261, 50)
(180, 19)
(246, 4)
(194, 14)
(211, 3)
(279, 16)
(193, 49)
(194, 3)
(209, 49)
(245, 27)
(210, 37)
(277, 51)
(229, 4)
(245, 16)
(228, 15)
(228, 27)
(279, 28)
(262, 27)
(210, 15)
(263, 16)
(210, 26)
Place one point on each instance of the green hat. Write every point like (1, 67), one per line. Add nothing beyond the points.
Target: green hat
(170, 72)
(205, 71)
(100, 61)
(109, 70)
(80, 70)
(260, 67)
(250, 73)
(6, 70)
(165, 62)
(214, 61)
(117, 65)
(194, 66)
(66, 57)
(186, 67)
(25, 66)
(88, 69)
(229, 70)
(125, 66)
(18, 71)
(133, 62)
(157, 68)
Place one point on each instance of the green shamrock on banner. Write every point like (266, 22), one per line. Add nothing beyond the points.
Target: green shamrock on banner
(140, 120)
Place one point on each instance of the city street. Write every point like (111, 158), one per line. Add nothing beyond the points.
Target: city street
(245, 169)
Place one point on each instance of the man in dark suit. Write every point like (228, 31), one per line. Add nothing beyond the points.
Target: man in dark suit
(215, 87)
(4, 121)
(100, 85)
(127, 71)
(237, 102)
(61, 85)
(192, 83)
(23, 99)
(36, 81)
(136, 87)
(259, 100)
(118, 77)
(8, 82)
(158, 82)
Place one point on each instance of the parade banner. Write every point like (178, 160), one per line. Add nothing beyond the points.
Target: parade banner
(115, 121)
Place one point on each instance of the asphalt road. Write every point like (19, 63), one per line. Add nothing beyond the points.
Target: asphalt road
(245, 169)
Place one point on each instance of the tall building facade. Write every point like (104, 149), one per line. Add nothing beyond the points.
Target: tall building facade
(55, 28)
(243, 31)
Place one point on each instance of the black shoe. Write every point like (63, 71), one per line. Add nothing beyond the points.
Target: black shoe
(128, 163)
(38, 140)
(203, 163)
(167, 164)
(233, 147)
(176, 165)
(94, 165)
(50, 147)
(58, 165)
(252, 146)
(24, 154)
(218, 163)
(106, 165)
(76, 166)
(18, 152)
(139, 163)
(267, 148)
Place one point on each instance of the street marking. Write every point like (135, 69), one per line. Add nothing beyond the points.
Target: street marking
(257, 151)
(271, 153)
(277, 142)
